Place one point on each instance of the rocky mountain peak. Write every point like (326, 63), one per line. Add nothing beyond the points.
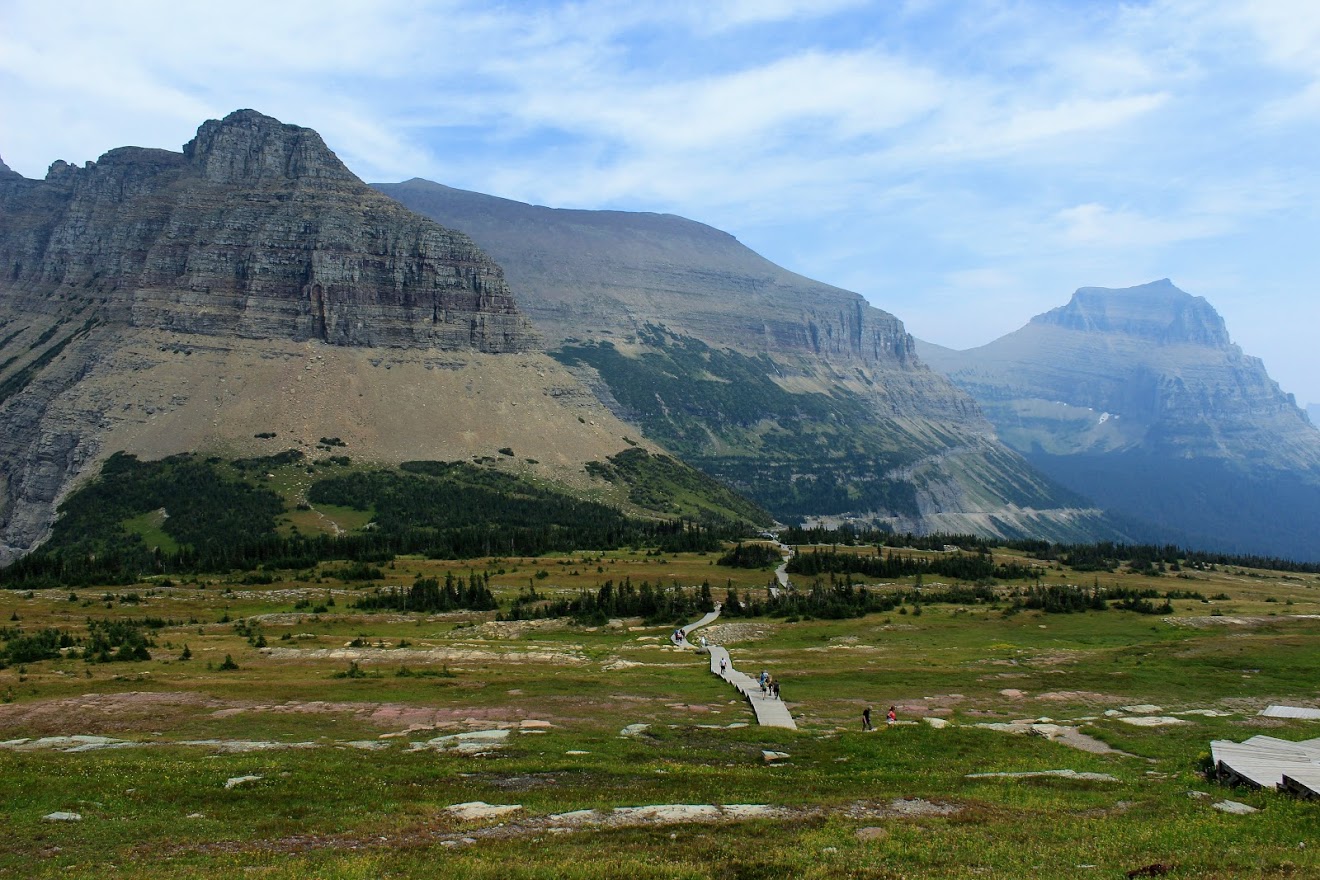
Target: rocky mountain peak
(255, 230)
(1157, 311)
(250, 146)
(7, 173)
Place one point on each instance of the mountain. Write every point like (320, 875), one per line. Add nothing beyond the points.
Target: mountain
(801, 395)
(250, 294)
(1313, 412)
(1139, 399)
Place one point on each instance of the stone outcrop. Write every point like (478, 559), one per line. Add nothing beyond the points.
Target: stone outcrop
(1139, 398)
(255, 230)
(613, 273)
(158, 302)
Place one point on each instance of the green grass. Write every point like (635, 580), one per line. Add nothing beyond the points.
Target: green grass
(147, 526)
(337, 811)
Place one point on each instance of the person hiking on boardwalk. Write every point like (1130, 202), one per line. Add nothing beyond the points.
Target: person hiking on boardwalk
(866, 719)
(892, 715)
(774, 686)
(724, 665)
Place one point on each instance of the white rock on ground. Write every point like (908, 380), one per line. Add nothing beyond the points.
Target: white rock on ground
(1208, 713)
(464, 743)
(576, 816)
(1235, 808)
(1153, 720)
(236, 781)
(772, 757)
(937, 723)
(61, 816)
(670, 812)
(482, 810)
(634, 729)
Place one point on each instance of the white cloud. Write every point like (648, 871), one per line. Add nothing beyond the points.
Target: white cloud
(926, 153)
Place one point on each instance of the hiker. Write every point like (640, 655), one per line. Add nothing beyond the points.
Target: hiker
(774, 686)
(703, 643)
(866, 719)
(891, 716)
(765, 679)
(724, 665)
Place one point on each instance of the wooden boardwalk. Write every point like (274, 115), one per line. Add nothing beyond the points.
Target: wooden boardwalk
(770, 712)
(1268, 762)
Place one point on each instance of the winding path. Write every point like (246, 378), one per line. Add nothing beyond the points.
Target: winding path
(770, 712)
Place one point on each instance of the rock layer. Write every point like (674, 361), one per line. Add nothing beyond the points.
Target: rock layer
(158, 302)
(1139, 398)
(255, 230)
(801, 395)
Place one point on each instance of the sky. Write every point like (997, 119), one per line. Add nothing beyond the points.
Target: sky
(963, 165)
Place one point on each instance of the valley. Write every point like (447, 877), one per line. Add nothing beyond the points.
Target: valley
(280, 730)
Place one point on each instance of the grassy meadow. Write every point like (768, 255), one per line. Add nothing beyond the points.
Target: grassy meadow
(338, 713)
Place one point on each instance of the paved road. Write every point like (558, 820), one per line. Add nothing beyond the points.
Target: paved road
(769, 711)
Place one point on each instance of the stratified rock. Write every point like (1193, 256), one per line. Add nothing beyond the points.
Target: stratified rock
(1139, 399)
(159, 302)
(801, 395)
(255, 230)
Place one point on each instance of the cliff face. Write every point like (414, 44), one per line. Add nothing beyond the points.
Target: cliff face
(1139, 398)
(612, 273)
(801, 395)
(257, 230)
(157, 302)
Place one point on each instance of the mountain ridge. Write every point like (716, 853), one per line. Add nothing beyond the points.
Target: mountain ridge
(1138, 397)
(641, 305)
(157, 302)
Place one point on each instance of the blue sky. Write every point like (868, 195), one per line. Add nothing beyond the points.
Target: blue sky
(964, 165)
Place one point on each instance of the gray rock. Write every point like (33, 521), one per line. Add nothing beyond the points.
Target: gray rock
(1234, 808)
(236, 781)
(62, 817)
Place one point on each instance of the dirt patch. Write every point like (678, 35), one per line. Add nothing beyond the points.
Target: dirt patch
(103, 713)
(1235, 620)
(392, 656)
(732, 633)
(510, 629)
(901, 808)
(135, 712)
(1084, 697)
(1055, 659)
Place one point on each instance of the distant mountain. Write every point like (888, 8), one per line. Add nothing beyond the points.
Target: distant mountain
(1139, 399)
(800, 395)
(247, 295)
(1313, 411)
